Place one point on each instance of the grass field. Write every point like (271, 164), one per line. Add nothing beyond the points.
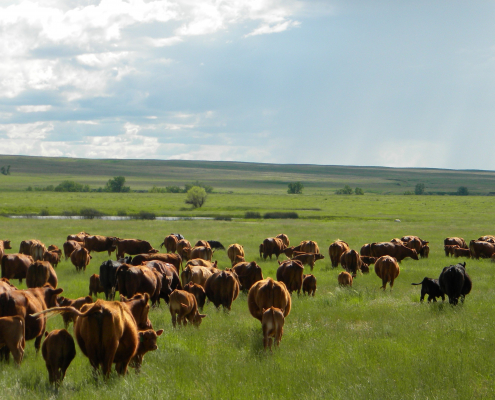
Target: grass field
(343, 343)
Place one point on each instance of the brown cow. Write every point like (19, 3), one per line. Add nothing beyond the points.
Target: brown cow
(309, 284)
(268, 293)
(284, 238)
(15, 266)
(233, 251)
(78, 237)
(99, 244)
(25, 247)
(365, 250)
(335, 251)
(147, 342)
(181, 244)
(170, 277)
(37, 250)
(53, 257)
(458, 252)
(222, 288)
(397, 241)
(424, 252)
(76, 303)
(414, 242)
(261, 249)
(455, 241)
(291, 272)
(309, 246)
(202, 252)
(345, 279)
(139, 308)
(80, 258)
(132, 247)
(6, 286)
(351, 262)
(198, 292)
(273, 246)
(69, 247)
(487, 238)
(248, 273)
(58, 351)
(308, 258)
(39, 273)
(199, 262)
(95, 285)
(173, 259)
(170, 243)
(4, 245)
(184, 305)
(139, 279)
(202, 243)
(449, 249)
(368, 260)
(195, 274)
(289, 252)
(272, 323)
(398, 251)
(481, 249)
(387, 269)
(12, 335)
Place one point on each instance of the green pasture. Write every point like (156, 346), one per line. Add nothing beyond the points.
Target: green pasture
(359, 343)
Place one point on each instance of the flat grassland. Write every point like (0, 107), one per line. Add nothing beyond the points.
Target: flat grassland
(343, 343)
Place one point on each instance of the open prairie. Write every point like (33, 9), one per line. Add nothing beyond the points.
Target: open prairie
(343, 343)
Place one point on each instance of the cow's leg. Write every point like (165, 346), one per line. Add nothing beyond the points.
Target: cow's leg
(37, 342)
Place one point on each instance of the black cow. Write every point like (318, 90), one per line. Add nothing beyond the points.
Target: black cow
(108, 276)
(455, 282)
(215, 245)
(178, 236)
(430, 287)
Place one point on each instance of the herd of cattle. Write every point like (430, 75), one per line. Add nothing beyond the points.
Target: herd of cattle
(120, 332)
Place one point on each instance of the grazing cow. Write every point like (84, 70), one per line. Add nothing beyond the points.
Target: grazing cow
(202, 243)
(132, 247)
(147, 342)
(78, 237)
(365, 250)
(77, 304)
(424, 252)
(222, 288)
(53, 257)
(95, 286)
(268, 293)
(351, 262)
(481, 249)
(99, 244)
(39, 273)
(455, 241)
(139, 308)
(398, 251)
(184, 305)
(37, 250)
(15, 266)
(25, 247)
(215, 245)
(4, 245)
(309, 246)
(58, 351)
(233, 251)
(345, 279)
(170, 278)
(430, 287)
(181, 244)
(12, 335)
(272, 323)
(309, 285)
(284, 238)
(455, 282)
(69, 247)
(487, 238)
(273, 246)
(291, 274)
(387, 269)
(335, 251)
(139, 279)
(449, 249)
(248, 273)
(368, 260)
(202, 252)
(170, 243)
(365, 268)
(414, 242)
(55, 248)
(195, 274)
(198, 292)
(80, 258)
(308, 258)
(173, 259)
(199, 262)
(397, 241)
(108, 276)
(289, 252)
(458, 252)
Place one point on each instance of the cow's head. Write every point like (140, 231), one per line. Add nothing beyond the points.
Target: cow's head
(6, 244)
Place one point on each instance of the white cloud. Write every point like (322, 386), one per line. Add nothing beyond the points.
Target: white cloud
(280, 27)
(30, 109)
(33, 131)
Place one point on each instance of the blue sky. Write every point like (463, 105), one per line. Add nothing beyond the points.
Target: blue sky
(387, 83)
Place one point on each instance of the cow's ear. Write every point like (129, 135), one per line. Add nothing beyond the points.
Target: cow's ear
(147, 297)
(202, 315)
(158, 333)
(58, 291)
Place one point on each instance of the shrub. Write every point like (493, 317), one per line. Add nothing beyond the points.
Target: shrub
(116, 185)
(68, 186)
(145, 215)
(220, 218)
(346, 190)
(90, 213)
(196, 196)
(462, 191)
(359, 191)
(44, 213)
(295, 188)
(419, 189)
(281, 215)
(252, 215)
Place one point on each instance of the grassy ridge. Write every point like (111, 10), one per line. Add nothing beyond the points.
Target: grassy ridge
(357, 343)
(236, 176)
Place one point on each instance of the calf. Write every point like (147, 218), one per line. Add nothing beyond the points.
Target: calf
(308, 258)
(449, 249)
(430, 287)
(198, 292)
(459, 252)
(345, 279)
(95, 285)
(12, 335)
(147, 342)
(53, 257)
(77, 304)
(272, 323)
(185, 305)
(58, 351)
(309, 284)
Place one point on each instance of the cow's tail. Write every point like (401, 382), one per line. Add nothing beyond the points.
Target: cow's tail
(162, 244)
(52, 312)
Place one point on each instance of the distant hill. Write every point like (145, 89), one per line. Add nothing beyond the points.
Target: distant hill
(237, 176)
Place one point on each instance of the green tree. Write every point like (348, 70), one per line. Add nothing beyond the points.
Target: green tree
(419, 189)
(295, 188)
(359, 191)
(116, 184)
(345, 190)
(462, 191)
(196, 196)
